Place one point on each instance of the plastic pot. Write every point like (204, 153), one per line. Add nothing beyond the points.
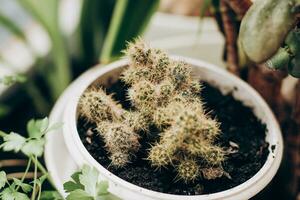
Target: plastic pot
(214, 75)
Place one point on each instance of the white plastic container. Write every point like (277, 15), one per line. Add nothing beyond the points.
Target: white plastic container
(216, 76)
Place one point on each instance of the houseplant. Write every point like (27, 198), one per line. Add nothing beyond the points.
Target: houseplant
(84, 143)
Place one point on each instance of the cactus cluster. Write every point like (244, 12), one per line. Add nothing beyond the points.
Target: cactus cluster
(162, 93)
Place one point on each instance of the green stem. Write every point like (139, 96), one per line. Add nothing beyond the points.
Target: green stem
(114, 28)
(39, 194)
(25, 173)
(35, 179)
(44, 172)
(62, 72)
(36, 162)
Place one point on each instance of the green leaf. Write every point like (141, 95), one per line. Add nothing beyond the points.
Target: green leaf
(11, 26)
(20, 196)
(13, 142)
(79, 195)
(7, 194)
(129, 20)
(73, 185)
(11, 194)
(94, 21)
(3, 179)
(51, 195)
(25, 187)
(46, 13)
(89, 179)
(102, 187)
(34, 147)
(85, 184)
(9, 80)
(37, 128)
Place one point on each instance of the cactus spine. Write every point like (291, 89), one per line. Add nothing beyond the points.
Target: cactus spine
(162, 93)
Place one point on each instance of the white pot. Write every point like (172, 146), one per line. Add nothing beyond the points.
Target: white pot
(216, 77)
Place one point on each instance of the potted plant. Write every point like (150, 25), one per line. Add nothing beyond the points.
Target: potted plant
(158, 127)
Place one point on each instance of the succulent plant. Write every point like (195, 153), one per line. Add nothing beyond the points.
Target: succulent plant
(162, 93)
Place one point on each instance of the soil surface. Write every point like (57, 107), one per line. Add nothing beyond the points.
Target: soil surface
(239, 127)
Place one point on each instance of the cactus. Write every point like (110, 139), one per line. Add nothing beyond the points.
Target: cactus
(188, 170)
(162, 93)
(96, 106)
(120, 141)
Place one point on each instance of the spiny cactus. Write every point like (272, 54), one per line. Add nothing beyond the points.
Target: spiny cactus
(190, 133)
(162, 93)
(96, 106)
(188, 170)
(120, 140)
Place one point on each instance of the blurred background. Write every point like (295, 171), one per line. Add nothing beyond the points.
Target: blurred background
(44, 45)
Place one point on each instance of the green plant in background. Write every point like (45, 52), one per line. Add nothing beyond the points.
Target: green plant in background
(277, 19)
(32, 147)
(163, 94)
(10, 80)
(85, 184)
(102, 32)
(103, 29)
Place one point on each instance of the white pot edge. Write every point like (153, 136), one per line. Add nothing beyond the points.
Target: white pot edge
(127, 190)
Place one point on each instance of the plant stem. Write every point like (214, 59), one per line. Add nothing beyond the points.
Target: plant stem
(36, 162)
(114, 28)
(25, 173)
(44, 171)
(35, 179)
(62, 72)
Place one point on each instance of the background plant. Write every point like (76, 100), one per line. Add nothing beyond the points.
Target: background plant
(85, 184)
(104, 28)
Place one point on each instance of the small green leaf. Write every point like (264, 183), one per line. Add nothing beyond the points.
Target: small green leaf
(13, 141)
(7, 194)
(51, 195)
(79, 195)
(25, 187)
(37, 128)
(102, 187)
(3, 179)
(11, 194)
(9, 80)
(34, 147)
(32, 130)
(43, 124)
(20, 196)
(75, 177)
(89, 179)
(73, 185)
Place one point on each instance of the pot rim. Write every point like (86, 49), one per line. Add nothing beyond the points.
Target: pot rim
(261, 178)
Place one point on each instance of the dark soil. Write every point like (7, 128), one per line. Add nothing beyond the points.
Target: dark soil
(238, 125)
